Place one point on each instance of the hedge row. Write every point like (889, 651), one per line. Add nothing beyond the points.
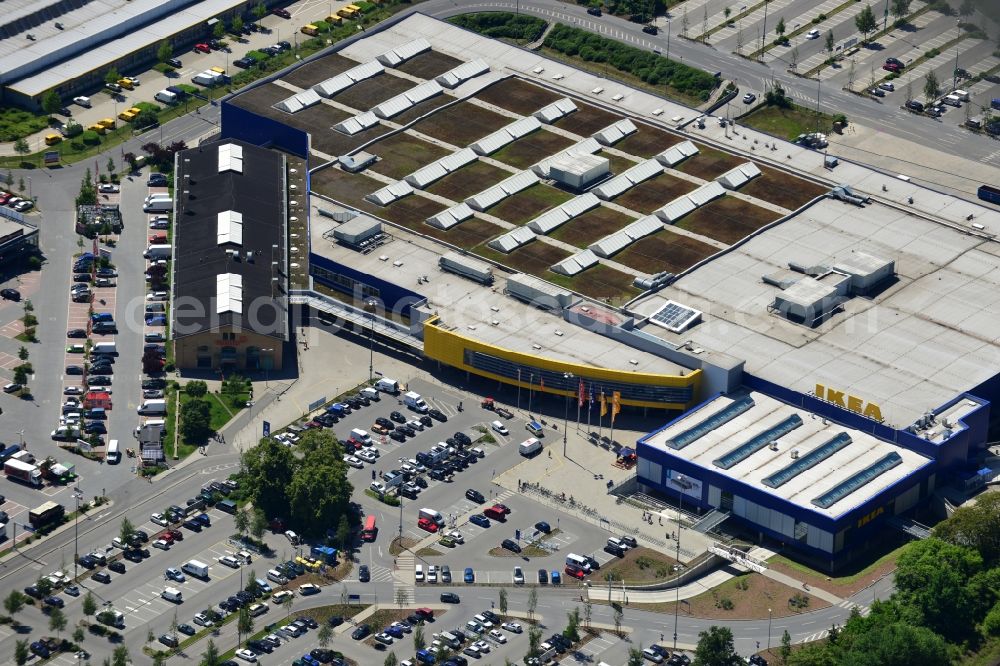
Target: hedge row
(650, 67)
(502, 25)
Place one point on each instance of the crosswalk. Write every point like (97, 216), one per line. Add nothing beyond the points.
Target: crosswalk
(847, 604)
(380, 574)
(403, 581)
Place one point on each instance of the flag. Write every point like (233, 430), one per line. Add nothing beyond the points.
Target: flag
(519, 375)
(616, 405)
(591, 395)
(604, 404)
(579, 395)
(541, 381)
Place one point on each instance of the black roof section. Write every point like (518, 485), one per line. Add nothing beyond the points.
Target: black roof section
(255, 188)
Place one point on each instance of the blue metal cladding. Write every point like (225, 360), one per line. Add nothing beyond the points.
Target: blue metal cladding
(394, 297)
(859, 480)
(243, 124)
(758, 442)
(808, 461)
(724, 415)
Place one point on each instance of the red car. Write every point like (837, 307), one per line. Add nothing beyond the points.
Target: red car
(496, 513)
(202, 48)
(502, 507)
(5, 197)
(427, 524)
(283, 13)
(574, 571)
(176, 535)
(891, 67)
(167, 536)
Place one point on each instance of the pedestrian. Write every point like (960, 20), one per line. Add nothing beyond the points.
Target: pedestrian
(661, 521)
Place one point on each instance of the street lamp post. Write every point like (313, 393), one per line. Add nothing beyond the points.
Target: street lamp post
(768, 629)
(668, 38)
(370, 306)
(677, 584)
(954, 78)
(567, 376)
(77, 495)
(763, 32)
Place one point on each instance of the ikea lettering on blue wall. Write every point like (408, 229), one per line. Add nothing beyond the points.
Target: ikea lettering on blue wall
(849, 402)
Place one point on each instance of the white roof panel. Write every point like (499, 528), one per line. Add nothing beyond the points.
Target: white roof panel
(643, 171)
(365, 71)
(289, 104)
(549, 221)
(228, 293)
(609, 245)
(677, 154)
(230, 227)
(421, 178)
(555, 110)
(458, 159)
(446, 219)
(390, 193)
(517, 182)
(523, 127)
(401, 54)
(587, 146)
(706, 193)
(486, 198)
(492, 142)
(513, 239)
(230, 158)
(610, 189)
(334, 85)
(581, 204)
(577, 263)
(392, 107)
(462, 73)
(676, 209)
(423, 92)
(643, 227)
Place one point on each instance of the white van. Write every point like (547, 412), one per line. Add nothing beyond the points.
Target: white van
(387, 385)
(961, 94)
(576, 560)
(275, 576)
(113, 454)
(82, 101)
(370, 393)
(618, 543)
(166, 97)
(152, 408)
(172, 594)
(418, 573)
(108, 348)
(362, 436)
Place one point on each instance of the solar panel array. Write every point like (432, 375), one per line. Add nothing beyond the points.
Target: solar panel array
(390, 193)
(556, 110)
(758, 442)
(740, 176)
(358, 123)
(578, 263)
(808, 461)
(721, 417)
(400, 54)
(553, 219)
(588, 146)
(459, 75)
(448, 218)
(512, 240)
(507, 134)
(859, 480)
(615, 132)
(345, 80)
(440, 168)
(676, 154)
(675, 317)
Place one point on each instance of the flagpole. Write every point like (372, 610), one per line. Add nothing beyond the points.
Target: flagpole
(590, 406)
(519, 389)
(531, 388)
(579, 403)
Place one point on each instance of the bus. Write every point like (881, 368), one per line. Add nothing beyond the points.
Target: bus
(370, 531)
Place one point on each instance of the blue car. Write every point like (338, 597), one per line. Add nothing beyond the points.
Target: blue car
(309, 660)
(204, 519)
(470, 575)
(480, 520)
(555, 577)
(425, 657)
(156, 320)
(395, 632)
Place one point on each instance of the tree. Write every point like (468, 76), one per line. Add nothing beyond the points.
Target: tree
(9, 178)
(253, 587)
(258, 523)
(111, 165)
(78, 635)
(196, 420)
(210, 657)
(572, 630)
(866, 22)
(259, 10)
(237, 24)
(89, 604)
(120, 656)
(532, 602)
(219, 30)
(715, 648)
(390, 659)
(22, 353)
(534, 640)
(619, 617)
(22, 148)
(324, 635)
(20, 182)
(126, 532)
(20, 652)
(242, 520)
(164, 51)
(57, 621)
(503, 601)
(780, 28)
(967, 8)
(635, 657)
(51, 102)
(793, 57)
(900, 8)
(244, 623)
(418, 638)
(931, 87)
(829, 41)
(196, 388)
(112, 76)
(975, 526)
(726, 12)
(343, 535)
(13, 604)
(588, 610)
(786, 647)
(287, 603)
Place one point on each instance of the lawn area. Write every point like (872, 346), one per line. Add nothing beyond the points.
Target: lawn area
(640, 566)
(470, 179)
(429, 64)
(846, 583)
(782, 189)
(532, 148)
(402, 154)
(648, 141)
(529, 204)
(727, 219)
(586, 119)
(665, 250)
(600, 282)
(18, 123)
(518, 96)
(462, 123)
(710, 163)
(221, 411)
(787, 123)
(654, 193)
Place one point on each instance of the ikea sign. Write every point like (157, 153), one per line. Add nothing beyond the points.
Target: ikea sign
(849, 402)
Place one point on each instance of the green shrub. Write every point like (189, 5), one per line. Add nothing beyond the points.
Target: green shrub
(502, 25)
(91, 137)
(725, 603)
(322, 26)
(73, 129)
(147, 106)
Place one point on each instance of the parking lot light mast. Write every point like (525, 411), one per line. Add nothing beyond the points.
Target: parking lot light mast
(768, 629)
(77, 495)
(370, 306)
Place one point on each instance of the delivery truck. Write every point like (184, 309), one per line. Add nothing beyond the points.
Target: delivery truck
(195, 568)
(23, 472)
(413, 400)
(166, 97)
(387, 385)
(432, 515)
(47, 514)
(152, 408)
(529, 447)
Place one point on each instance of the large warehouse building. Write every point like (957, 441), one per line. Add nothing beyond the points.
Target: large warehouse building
(822, 373)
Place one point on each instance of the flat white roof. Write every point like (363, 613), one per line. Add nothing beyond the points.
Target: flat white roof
(848, 456)
(929, 336)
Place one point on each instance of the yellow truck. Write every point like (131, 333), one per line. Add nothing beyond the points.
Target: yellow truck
(107, 123)
(52, 139)
(350, 11)
(333, 19)
(126, 83)
(127, 115)
(97, 127)
(310, 30)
